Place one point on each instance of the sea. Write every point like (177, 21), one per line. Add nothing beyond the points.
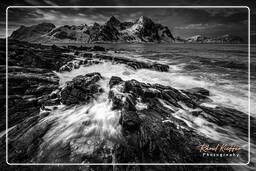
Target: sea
(228, 71)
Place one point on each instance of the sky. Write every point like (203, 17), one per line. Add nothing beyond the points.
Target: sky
(183, 22)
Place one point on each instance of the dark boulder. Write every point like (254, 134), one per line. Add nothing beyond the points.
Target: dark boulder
(114, 80)
(75, 64)
(76, 53)
(81, 89)
(116, 99)
(130, 121)
(87, 55)
(160, 67)
(153, 133)
(97, 48)
(198, 95)
(199, 90)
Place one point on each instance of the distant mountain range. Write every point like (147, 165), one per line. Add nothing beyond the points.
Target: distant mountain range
(227, 38)
(142, 30)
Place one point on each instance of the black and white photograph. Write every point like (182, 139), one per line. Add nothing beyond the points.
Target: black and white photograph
(127, 86)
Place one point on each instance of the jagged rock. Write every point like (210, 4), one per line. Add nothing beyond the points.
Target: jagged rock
(97, 48)
(114, 80)
(87, 55)
(26, 87)
(70, 66)
(24, 140)
(75, 64)
(199, 90)
(41, 89)
(65, 68)
(76, 53)
(29, 55)
(133, 63)
(30, 79)
(198, 94)
(151, 134)
(160, 67)
(130, 121)
(80, 89)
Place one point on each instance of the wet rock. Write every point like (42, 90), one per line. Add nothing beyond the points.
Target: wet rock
(130, 121)
(76, 53)
(198, 95)
(224, 116)
(28, 88)
(153, 134)
(25, 54)
(129, 102)
(75, 64)
(160, 67)
(134, 63)
(87, 55)
(86, 48)
(116, 98)
(114, 81)
(49, 102)
(171, 97)
(151, 93)
(42, 89)
(69, 66)
(97, 48)
(199, 90)
(80, 89)
(196, 113)
(24, 146)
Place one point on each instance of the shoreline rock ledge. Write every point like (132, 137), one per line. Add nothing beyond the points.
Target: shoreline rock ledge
(151, 132)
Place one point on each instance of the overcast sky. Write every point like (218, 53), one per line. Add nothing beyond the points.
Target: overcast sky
(182, 22)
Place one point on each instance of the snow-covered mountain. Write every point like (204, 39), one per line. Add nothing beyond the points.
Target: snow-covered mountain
(142, 30)
(227, 38)
(196, 38)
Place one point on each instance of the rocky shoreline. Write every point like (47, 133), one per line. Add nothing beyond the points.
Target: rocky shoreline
(151, 130)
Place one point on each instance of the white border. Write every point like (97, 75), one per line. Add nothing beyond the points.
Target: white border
(249, 81)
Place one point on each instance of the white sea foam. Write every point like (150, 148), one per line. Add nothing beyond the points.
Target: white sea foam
(82, 124)
(228, 95)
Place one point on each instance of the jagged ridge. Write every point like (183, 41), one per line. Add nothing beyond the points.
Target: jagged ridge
(142, 30)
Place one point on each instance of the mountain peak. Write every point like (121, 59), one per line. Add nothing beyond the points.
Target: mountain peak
(33, 32)
(46, 24)
(96, 24)
(113, 18)
(144, 20)
(113, 21)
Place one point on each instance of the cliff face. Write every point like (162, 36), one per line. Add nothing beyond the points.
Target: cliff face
(142, 30)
